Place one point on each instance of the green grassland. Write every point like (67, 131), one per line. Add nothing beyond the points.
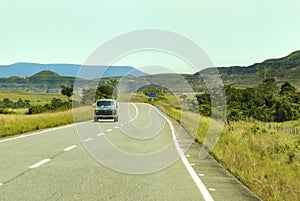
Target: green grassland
(13, 124)
(265, 157)
(35, 98)
(19, 122)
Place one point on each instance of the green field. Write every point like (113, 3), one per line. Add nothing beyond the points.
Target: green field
(265, 157)
(35, 98)
(13, 124)
(19, 122)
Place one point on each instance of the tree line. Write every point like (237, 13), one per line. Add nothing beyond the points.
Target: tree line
(90, 95)
(266, 102)
(7, 104)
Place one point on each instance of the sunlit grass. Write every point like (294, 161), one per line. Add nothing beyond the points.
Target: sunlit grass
(13, 124)
(35, 98)
(265, 160)
(265, 157)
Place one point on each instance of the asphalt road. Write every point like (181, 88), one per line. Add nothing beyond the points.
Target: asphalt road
(144, 156)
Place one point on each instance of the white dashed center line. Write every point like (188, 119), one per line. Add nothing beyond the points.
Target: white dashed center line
(100, 134)
(109, 130)
(40, 163)
(1, 184)
(88, 139)
(212, 189)
(201, 175)
(70, 148)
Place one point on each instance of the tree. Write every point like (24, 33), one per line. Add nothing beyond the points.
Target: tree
(289, 92)
(8, 103)
(88, 96)
(112, 83)
(287, 89)
(284, 111)
(67, 91)
(20, 103)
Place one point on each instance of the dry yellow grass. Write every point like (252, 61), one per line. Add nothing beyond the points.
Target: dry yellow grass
(17, 123)
(266, 161)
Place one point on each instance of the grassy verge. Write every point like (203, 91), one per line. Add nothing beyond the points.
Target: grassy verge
(267, 161)
(17, 123)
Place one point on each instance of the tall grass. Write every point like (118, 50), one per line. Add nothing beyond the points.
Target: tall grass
(17, 123)
(266, 161)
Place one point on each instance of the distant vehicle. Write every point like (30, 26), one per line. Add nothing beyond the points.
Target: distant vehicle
(106, 109)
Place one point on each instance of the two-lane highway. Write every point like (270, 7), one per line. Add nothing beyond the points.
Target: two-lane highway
(137, 158)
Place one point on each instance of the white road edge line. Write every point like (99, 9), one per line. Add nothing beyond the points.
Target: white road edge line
(40, 132)
(205, 193)
(39, 163)
(70, 147)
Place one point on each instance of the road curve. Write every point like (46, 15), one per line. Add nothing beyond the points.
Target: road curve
(144, 156)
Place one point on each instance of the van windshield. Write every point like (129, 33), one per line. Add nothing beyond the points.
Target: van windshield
(105, 103)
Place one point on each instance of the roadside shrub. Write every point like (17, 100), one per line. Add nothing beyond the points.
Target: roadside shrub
(7, 103)
(55, 105)
(36, 109)
(5, 111)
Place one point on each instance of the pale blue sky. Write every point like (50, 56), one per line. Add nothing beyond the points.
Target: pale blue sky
(231, 32)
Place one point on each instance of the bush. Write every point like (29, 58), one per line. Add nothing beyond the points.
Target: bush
(5, 111)
(55, 105)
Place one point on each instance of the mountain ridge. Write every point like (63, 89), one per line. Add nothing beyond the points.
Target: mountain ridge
(285, 68)
(24, 69)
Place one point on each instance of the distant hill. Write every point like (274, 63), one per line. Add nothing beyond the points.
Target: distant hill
(44, 81)
(38, 77)
(282, 69)
(89, 72)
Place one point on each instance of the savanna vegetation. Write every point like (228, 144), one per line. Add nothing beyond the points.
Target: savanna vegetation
(12, 124)
(264, 156)
(90, 95)
(260, 144)
(265, 102)
(40, 111)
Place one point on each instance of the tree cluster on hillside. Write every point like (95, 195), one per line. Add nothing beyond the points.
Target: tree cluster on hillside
(265, 102)
(90, 95)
